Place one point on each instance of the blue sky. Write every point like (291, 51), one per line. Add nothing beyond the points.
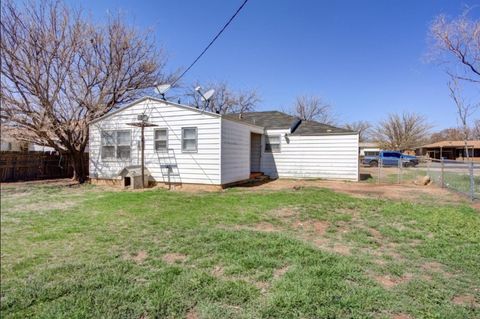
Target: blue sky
(366, 58)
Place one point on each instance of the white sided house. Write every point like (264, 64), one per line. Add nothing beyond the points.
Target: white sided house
(191, 146)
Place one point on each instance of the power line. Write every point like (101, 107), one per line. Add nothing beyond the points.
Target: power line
(211, 42)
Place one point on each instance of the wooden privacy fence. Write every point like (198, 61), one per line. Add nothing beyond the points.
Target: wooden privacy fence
(23, 166)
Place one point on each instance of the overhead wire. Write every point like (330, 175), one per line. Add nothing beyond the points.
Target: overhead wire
(211, 42)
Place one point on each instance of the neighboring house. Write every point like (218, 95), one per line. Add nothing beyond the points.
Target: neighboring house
(189, 145)
(452, 150)
(11, 144)
(368, 149)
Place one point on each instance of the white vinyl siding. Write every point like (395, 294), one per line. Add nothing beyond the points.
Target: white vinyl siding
(160, 139)
(322, 156)
(201, 167)
(235, 151)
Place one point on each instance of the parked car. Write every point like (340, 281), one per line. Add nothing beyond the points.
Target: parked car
(390, 158)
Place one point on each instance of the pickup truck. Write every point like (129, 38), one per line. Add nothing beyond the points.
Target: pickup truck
(390, 158)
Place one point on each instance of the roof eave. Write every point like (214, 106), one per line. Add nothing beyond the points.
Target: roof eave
(147, 97)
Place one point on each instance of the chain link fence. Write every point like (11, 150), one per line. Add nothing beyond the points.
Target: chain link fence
(460, 176)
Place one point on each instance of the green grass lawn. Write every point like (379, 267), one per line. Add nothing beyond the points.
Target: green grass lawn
(84, 252)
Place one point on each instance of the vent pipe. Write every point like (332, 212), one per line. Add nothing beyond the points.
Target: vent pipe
(295, 125)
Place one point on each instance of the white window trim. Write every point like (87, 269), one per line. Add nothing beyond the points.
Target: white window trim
(155, 140)
(115, 158)
(267, 137)
(196, 139)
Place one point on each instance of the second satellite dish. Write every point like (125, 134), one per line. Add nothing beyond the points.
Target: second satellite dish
(205, 97)
(208, 95)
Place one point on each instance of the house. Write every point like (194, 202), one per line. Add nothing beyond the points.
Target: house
(452, 150)
(368, 149)
(191, 146)
(8, 143)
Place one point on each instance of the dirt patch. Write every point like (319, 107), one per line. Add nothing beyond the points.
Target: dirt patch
(379, 262)
(173, 258)
(465, 300)
(263, 286)
(192, 314)
(341, 249)
(375, 233)
(390, 282)
(285, 212)
(218, 271)
(401, 316)
(140, 257)
(432, 266)
(265, 227)
(410, 192)
(337, 248)
(278, 273)
(436, 267)
(316, 226)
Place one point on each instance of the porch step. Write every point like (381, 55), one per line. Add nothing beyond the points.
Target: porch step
(255, 174)
(259, 176)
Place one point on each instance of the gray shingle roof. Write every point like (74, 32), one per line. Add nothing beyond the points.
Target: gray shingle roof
(279, 120)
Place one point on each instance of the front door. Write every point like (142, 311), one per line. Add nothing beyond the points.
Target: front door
(255, 152)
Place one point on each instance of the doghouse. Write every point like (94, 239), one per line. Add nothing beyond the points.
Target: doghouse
(132, 177)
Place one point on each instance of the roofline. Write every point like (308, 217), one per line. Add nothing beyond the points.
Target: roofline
(333, 133)
(317, 134)
(445, 146)
(243, 123)
(302, 121)
(148, 97)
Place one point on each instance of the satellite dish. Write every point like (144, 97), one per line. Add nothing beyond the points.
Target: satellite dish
(208, 95)
(205, 97)
(162, 89)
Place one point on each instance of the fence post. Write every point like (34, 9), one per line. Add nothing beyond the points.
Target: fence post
(379, 170)
(399, 170)
(442, 176)
(472, 181)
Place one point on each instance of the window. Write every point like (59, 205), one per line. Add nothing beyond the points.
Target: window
(161, 140)
(116, 144)
(189, 139)
(391, 154)
(371, 153)
(272, 144)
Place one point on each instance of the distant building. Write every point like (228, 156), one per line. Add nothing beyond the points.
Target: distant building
(368, 149)
(452, 150)
(10, 144)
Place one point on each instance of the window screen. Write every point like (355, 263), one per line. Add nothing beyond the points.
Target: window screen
(116, 144)
(272, 144)
(189, 139)
(161, 139)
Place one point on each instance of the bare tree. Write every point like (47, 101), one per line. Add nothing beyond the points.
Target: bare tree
(60, 71)
(362, 127)
(464, 110)
(457, 43)
(313, 108)
(476, 130)
(448, 134)
(225, 100)
(402, 131)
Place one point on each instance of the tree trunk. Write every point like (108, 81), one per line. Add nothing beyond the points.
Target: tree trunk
(79, 171)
